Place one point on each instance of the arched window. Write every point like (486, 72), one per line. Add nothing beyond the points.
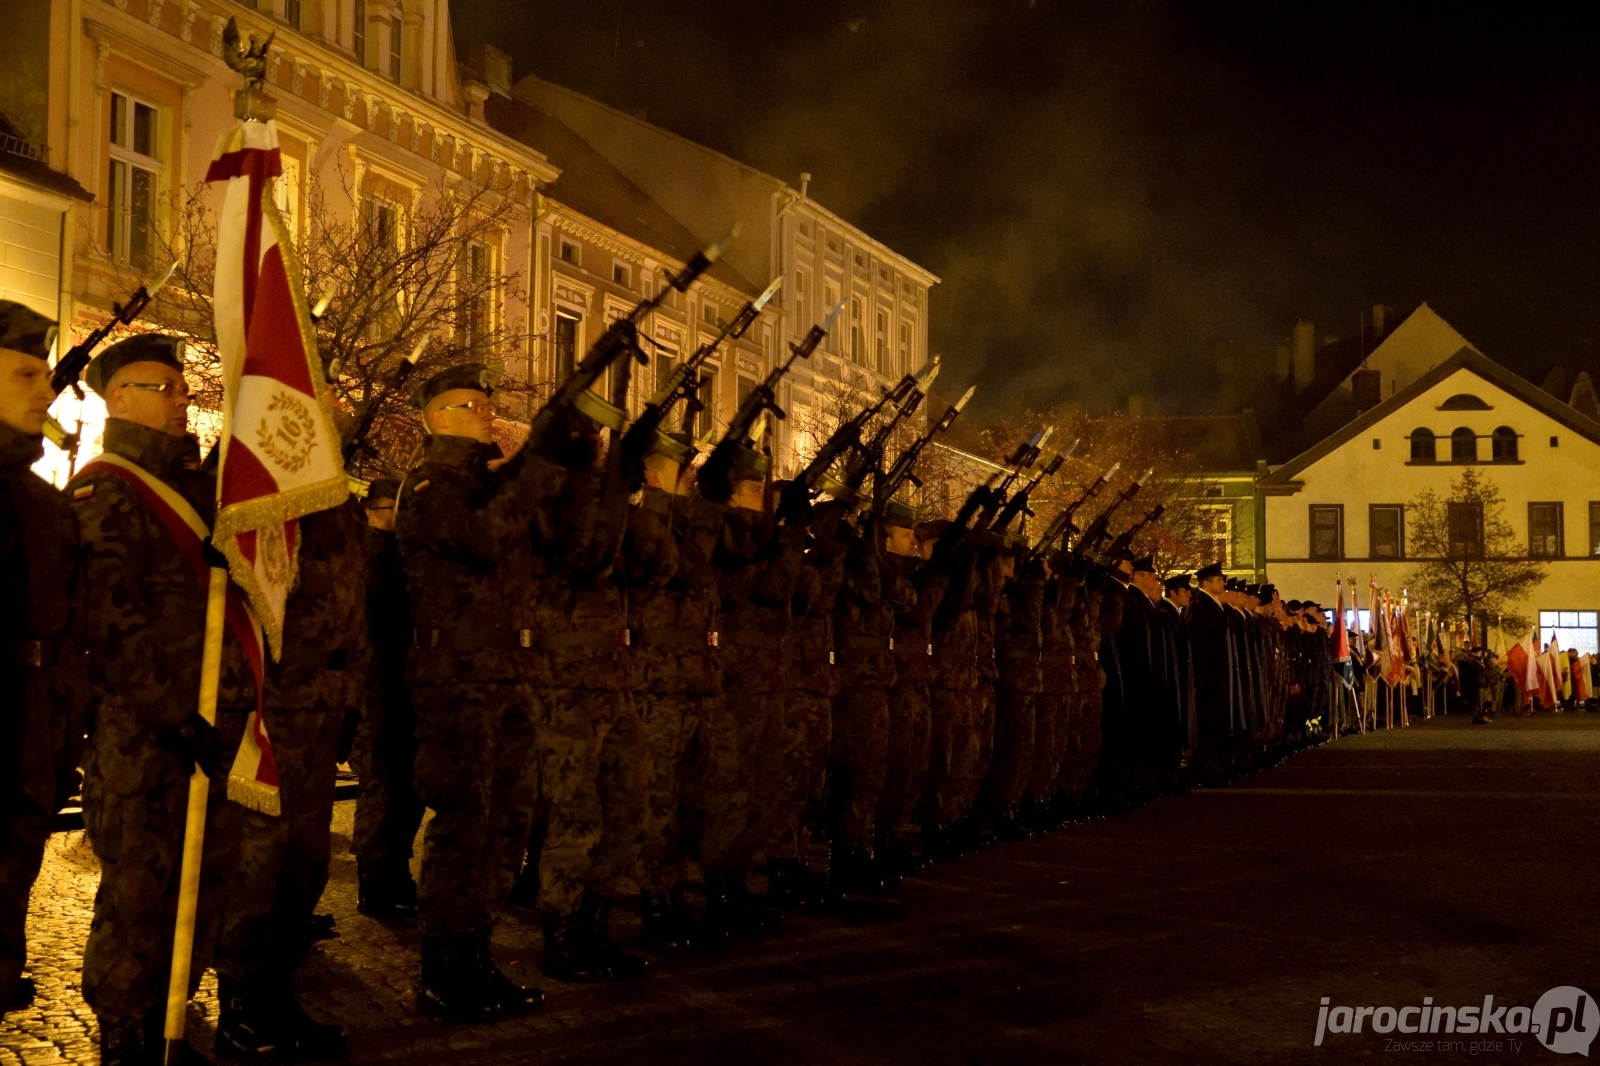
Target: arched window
(1465, 401)
(1422, 446)
(1505, 444)
(1463, 446)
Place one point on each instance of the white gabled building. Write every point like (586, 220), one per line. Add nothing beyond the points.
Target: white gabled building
(1341, 506)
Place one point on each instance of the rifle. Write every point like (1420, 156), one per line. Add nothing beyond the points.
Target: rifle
(1125, 538)
(397, 379)
(1063, 521)
(900, 472)
(70, 366)
(1026, 454)
(1099, 527)
(684, 381)
(847, 435)
(908, 396)
(621, 338)
(1018, 503)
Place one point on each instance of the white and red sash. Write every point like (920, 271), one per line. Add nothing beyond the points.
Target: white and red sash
(253, 781)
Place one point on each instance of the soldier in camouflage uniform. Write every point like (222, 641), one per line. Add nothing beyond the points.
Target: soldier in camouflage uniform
(388, 812)
(1083, 753)
(910, 706)
(145, 609)
(672, 616)
(737, 779)
(466, 536)
(41, 726)
(1017, 643)
(971, 833)
(1052, 714)
(281, 865)
(952, 693)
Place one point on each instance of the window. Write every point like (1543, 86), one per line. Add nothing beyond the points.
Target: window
(1463, 446)
(477, 271)
(1377, 444)
(1215, 529)
(621, 275)
(569, 253)
(1465, 526)
(1386, 531)
(358, 31)
(134, 181)
(861, 262)
(1544, 531)
(708, 312)
(1504, 443)
(666, 361)
(883, 342)
(1423, 447)
(705, 419)
(833, 244)
(905, 348)
(1327, 531)
(855, 329)
(396, 35)
(1465, 401)
(799, 282)
(291, 13)
(746, 387)
(1594, 529)
(383, 222)
(1574, 629)
(566, 344)
(832, 342)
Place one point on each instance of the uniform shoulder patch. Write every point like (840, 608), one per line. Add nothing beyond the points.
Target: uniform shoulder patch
(83, 492)
(421, 486)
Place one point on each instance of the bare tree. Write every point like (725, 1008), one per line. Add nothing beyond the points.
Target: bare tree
(1470, 565)
(402, 279)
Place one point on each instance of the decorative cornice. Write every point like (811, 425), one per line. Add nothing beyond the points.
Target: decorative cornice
(595, 237)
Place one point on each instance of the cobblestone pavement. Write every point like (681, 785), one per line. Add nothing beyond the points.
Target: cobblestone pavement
(1440, 860)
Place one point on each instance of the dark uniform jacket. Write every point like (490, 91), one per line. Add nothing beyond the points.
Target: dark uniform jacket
(863, 619)
(326, 652)
(464, 536)
(955, 628)
(389, 627)
(913, 624)
(1211, 649)
(1019, 647)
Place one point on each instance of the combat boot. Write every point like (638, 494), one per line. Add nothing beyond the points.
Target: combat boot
(566, 953)
(385, 890)
(1007, 829)
(123, 1045)
(245, 1028)
(752, 918)
(525, 889)
(513, 998)
(716, 927)
(452, 987)
(664, 922)
(300, 1037)
(893, 858)
(594, 916)
(153, 1042)
(22, 995)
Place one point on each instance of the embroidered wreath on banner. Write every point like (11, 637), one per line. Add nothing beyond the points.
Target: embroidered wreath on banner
(291, 441)
(272, 553)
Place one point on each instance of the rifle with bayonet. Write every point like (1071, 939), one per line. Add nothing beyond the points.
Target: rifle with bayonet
(1062, 522)
(356, 440)
(684, 381)
(621, 339)
(1018, 503)
(1026, 454)
(70, 366)
(1099, 528)
(901, 471)
(907, 396)
(1125, 538)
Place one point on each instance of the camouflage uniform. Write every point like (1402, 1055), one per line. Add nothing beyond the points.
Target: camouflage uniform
(808, 703)
(1083, 751)
(388, 812)
(41, 690)
(145, 619)
(910, 707)
(672, 614)
(863, 623)
(757, 580)
(464, 537)
(282, 862)
(989, 606)
(1052, 724)
(952, 695)
(1017, 644)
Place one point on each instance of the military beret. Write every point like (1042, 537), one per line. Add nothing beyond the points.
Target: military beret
(749, 464)
(22, 329)
(900, 514)
(383, 488)
(932, 528)
(679, 447)
(1178, 581)
(1208, 571)
(141, 348)
(1144, 565)
(473, 376)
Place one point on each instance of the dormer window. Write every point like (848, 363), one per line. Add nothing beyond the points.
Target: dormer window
(1505, 445)
(1464, 401)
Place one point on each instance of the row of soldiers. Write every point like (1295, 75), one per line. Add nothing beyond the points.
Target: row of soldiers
(594, 665)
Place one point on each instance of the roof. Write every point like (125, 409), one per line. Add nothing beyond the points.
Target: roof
(590, 185)
(1465, 359)
(22, 159)
(1220, 443)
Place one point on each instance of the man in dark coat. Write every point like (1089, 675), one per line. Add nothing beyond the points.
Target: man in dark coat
(1206, 622)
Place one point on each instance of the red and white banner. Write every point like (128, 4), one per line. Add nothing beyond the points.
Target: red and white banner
(280, 454)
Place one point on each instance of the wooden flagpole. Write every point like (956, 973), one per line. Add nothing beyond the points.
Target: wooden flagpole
(194, 833)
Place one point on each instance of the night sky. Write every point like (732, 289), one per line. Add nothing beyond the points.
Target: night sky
(1116, 194)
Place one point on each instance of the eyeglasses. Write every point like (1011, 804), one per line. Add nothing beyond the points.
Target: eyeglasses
(476, 406)
(163, 388)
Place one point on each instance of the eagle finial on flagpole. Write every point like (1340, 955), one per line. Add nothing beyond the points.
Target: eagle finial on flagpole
(250, 60)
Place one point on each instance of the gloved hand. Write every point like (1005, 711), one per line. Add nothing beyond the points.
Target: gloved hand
(196, 742)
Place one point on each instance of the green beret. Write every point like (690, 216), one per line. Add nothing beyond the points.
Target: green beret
(24, 330)
(679, 447)
(932, 529)
(749, 464)
(474, 376)
(900, 514)
(383, 488)
(141, 348)
(601, 411)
